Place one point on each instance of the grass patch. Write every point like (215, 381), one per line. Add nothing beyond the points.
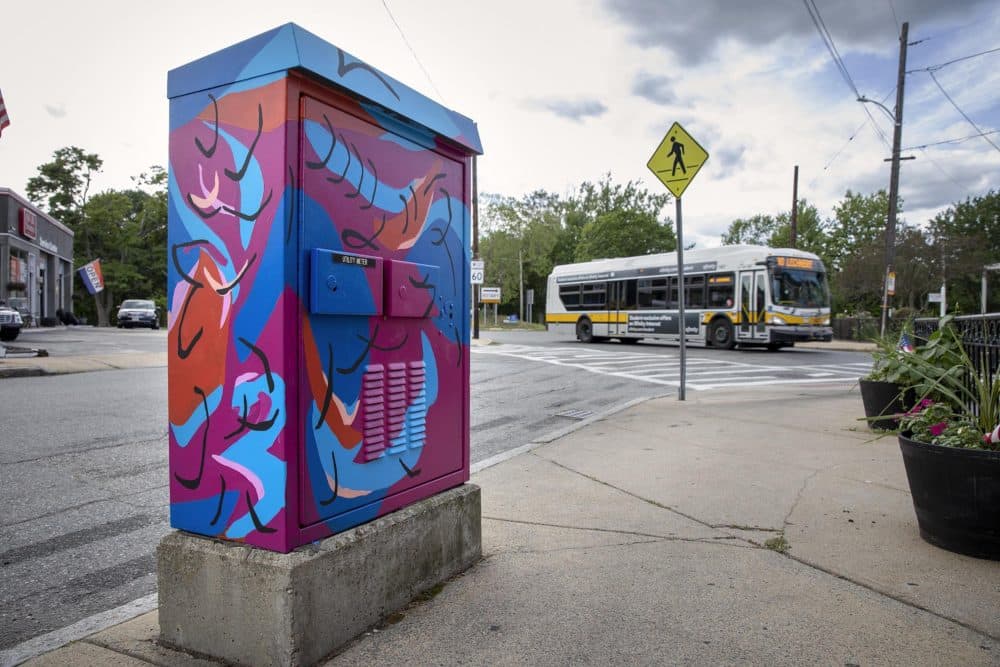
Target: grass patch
(779, 544)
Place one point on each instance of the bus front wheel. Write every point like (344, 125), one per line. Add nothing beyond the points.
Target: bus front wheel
(720, 334)
(584, 331)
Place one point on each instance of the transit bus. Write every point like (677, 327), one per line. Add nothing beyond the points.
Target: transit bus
(734, 295)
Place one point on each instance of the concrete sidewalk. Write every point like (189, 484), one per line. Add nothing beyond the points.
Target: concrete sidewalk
(655, 536)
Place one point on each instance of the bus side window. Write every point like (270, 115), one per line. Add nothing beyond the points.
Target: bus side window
(652, 293)
(694, 292)
(570, 296)
(720, 291)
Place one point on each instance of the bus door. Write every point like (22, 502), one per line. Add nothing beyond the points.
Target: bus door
(616, 300)
(752, 306)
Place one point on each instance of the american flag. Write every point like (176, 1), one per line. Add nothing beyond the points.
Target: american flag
(4, 118)
(905, 344)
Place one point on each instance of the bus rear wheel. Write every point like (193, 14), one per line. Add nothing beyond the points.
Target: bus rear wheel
(720, 334)
(584, 330)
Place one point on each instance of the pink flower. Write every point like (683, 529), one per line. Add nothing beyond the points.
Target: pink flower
(938, 429)
(924, 403)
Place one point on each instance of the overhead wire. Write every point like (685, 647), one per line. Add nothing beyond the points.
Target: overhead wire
(412, 52)
(959, 110)
(934, 68)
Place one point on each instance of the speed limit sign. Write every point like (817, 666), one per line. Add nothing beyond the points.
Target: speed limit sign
(477, 269)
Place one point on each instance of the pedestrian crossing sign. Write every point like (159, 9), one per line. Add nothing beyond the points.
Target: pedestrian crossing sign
(677, 159)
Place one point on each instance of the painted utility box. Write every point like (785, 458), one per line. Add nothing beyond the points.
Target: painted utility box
(318, 292)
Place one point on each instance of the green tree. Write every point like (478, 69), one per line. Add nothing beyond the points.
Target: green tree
(63, 184)
(621, 221)
(966, 238)
(755, 230)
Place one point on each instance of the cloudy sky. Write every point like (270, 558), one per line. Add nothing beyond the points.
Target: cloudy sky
(564, 91)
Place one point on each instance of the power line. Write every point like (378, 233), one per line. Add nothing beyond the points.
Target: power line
(894, 17)
(824, 34)
(934, 68)
(412, 52)
(959, 110)
(956, 140)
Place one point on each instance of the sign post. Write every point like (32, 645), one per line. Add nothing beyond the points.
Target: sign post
(476, 270)
(678, 150)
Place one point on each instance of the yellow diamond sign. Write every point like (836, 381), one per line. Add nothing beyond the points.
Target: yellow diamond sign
(677, 159)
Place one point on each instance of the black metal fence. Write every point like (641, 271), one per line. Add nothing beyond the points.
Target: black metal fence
(980, 336)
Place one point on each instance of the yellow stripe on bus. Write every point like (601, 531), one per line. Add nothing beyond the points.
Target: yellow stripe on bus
(600, 318)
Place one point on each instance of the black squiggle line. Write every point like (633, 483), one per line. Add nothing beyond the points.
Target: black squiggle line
(291, 205)
(430, 183)
(458, 341)
(347, 166)
(208, 152)
(256, 521)
(416, 206)
(369, 346)
(344, 68)
(242, 422)
(222, 496)
(177, 263)
(336, 481)
(361, 180)
(328, 394)
(222, 291)
(411, 473)
(198, 210)
(371, 202)
(263, 360)
(238, 175)
(184, 351)
(329, 153)
(195, 482)
(250, 217)
(406, 208)
(426, 284)
(356, 240)
(380, 348)
(442, 240)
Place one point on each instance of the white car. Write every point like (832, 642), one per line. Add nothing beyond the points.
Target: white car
(10, 322)
(138, 313)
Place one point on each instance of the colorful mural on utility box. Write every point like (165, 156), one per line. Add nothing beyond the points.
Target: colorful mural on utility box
(318, 292)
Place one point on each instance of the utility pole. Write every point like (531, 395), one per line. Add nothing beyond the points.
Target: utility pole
(890, 229)
(795, 206)
(520, 280)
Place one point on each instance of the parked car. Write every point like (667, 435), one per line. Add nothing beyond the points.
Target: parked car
(10, 322)
(138, 313)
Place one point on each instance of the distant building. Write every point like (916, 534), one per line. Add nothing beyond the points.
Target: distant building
(36, 259)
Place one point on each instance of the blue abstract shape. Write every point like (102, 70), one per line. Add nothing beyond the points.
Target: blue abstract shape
(184, 432)
(196, 515)
(251, 452)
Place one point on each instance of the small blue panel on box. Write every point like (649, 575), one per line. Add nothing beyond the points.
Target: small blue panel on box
(345, 284)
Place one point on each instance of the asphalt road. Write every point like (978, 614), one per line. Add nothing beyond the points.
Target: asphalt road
(84, 457)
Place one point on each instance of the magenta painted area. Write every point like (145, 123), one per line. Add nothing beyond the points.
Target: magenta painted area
(318, 330)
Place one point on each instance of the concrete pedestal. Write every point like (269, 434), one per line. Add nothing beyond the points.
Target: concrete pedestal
(255, 607)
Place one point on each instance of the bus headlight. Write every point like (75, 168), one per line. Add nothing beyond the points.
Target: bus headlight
(777, 320)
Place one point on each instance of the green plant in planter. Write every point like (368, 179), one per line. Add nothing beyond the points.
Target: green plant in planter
(891, 363)
(959, 403)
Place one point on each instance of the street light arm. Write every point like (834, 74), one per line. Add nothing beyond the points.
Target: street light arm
(881, 106)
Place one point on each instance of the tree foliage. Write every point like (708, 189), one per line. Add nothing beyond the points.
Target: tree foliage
(528, 236)
(125, 229)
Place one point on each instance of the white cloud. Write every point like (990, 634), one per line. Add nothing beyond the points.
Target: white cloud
(752, 82)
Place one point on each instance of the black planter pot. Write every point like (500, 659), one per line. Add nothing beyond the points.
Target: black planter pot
(956, 495)
(881, 398)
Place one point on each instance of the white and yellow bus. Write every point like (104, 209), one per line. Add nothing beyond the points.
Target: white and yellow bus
(734, 295)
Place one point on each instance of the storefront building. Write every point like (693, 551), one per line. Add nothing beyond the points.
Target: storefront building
(36, 260)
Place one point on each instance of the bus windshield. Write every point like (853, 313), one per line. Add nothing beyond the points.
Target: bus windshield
(799, 288)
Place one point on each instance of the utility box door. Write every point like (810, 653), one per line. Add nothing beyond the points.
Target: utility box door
(383, 233)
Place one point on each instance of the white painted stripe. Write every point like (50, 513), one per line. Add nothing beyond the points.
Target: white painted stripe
(83, 628)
